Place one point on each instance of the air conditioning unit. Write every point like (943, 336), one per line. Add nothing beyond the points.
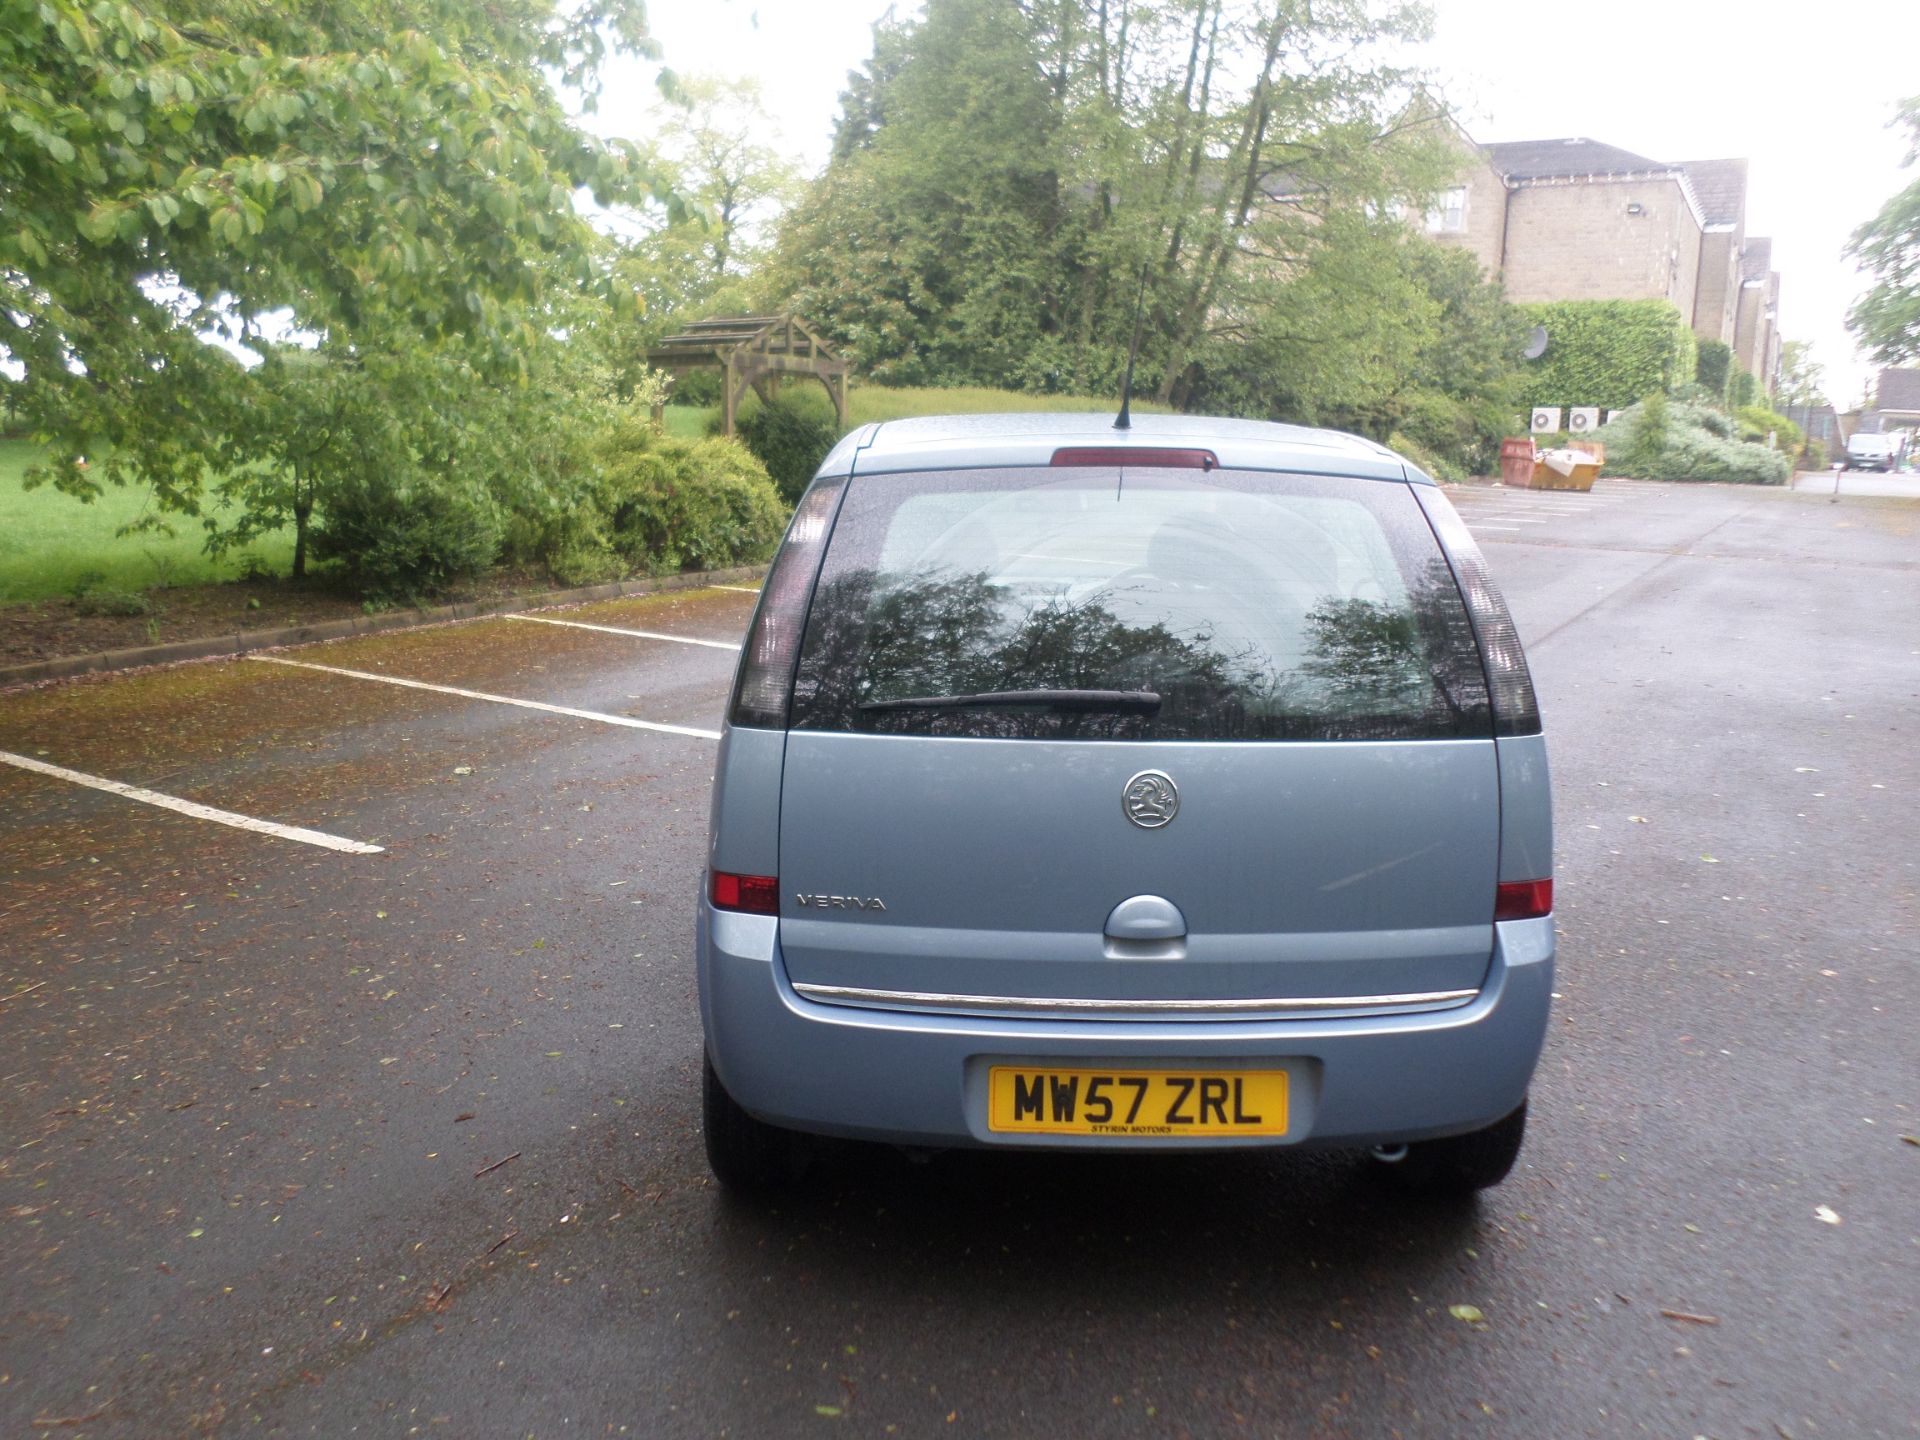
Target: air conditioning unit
(1546, 420)
(1583, 419)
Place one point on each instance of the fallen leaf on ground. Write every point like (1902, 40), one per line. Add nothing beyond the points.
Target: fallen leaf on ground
(1469, 1313)
(463, 769)
(1825, 1215)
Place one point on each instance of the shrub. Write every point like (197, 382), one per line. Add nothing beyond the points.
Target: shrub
(1714, 421)
(1609, 352)
(1757, 422)
(112, 602)
(576, 549)
(1650, 435)
(84, 582)
(91, 596)
(1713, 367)
(407, 536)
(1814, 456)
(1460, 436)
(668, 504)
(790, 441)
(1657, 441)
(1435, 464)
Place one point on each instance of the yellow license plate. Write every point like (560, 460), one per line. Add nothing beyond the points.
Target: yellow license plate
(1023, 1100)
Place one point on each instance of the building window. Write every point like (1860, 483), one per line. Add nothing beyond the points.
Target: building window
(1449, 216)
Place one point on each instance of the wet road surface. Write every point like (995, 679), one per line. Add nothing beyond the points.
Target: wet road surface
(309, 1143)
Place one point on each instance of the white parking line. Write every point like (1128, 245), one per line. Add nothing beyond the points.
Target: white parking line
(1476, 525)
(623, 720)
(743, 589)
(1554, 505)
(637, 634)
(196, 810)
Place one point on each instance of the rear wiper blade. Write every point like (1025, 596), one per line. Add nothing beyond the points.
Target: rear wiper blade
(1102, 702)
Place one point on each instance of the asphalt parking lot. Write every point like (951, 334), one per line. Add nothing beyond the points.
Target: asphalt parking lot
(390, 1126)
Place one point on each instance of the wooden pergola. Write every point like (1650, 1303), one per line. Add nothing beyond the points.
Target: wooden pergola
(753, 352)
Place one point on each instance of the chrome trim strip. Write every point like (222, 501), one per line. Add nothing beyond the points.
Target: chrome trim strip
(1027, 1005)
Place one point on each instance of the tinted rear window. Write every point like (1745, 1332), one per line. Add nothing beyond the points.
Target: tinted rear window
(1257, 606)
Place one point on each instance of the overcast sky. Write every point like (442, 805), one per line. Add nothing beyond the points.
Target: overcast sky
(1805, 98)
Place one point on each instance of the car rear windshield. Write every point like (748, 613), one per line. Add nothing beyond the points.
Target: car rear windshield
(1144, 605)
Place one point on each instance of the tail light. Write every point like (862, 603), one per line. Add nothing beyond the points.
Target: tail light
(1522, 899)
(749, 894)
(765, 687)
(1509, 685)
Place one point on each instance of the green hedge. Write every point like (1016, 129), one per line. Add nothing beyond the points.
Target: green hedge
(1609, 352)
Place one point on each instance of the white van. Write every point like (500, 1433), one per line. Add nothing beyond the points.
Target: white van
(1872, 452)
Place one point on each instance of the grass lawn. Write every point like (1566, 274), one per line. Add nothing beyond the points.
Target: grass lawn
(867, 403)
(48, 540)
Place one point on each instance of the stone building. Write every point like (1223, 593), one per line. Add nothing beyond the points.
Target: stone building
(1896, 402)
(1721, 188)
(1756, 342)
(1576, 219)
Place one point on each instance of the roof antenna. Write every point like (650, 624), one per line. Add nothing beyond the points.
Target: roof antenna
(1124, 420)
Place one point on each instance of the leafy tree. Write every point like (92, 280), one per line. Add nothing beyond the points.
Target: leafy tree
(312, 429)
(1377, 330)
(1334, 340)
(351, 170)
(1887, 317)
(310, 422)
(720, 164)
(701, 258)
(1802, 378)
(1009, 178)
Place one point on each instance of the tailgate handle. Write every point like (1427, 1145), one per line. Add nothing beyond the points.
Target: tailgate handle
(1146, 917)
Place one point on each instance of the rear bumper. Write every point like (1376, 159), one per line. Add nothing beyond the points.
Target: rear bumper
(920, 1079)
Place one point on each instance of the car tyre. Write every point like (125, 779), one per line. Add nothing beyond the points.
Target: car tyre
(1459, 1164)
(745, 1154)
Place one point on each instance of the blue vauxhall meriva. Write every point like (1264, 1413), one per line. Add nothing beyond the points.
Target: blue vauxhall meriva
(1177, 787)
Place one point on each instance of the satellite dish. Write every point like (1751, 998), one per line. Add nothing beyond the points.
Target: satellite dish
(1536, 344)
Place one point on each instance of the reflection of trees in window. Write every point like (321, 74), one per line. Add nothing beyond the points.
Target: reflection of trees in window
(1367, 646)
(1371, 670)
(1391, 659)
